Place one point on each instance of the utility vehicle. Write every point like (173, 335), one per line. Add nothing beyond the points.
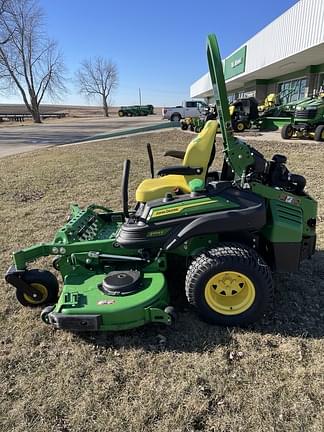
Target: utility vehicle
(189, 108)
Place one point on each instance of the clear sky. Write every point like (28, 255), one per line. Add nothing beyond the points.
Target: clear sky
(158, 46)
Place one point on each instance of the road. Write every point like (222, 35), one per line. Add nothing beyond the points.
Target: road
(22, 138)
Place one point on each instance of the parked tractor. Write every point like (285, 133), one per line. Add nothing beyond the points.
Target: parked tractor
(135, 110)
(308, 120)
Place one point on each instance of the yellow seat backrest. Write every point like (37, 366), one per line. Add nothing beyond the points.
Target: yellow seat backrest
(270, 100)
(198, 155)
(199, 151)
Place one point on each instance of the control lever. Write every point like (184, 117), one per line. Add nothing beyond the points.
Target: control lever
(150, 155)
(124, 186)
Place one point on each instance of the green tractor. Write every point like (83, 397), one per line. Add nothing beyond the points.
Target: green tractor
(135, 110)
(227, 230)
(195, 124)
(308, 121)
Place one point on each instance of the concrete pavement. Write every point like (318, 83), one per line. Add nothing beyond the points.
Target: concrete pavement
(19, 139)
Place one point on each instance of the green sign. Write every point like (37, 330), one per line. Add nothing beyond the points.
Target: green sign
(235, 64)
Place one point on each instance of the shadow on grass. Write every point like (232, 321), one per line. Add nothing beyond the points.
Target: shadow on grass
(297, 312)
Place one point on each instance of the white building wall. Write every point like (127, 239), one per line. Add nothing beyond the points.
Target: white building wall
(298, 29)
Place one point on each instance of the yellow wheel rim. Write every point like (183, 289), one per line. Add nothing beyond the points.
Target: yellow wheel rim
(42, 290)
(229, 293)
(240, 126)
(322, 135)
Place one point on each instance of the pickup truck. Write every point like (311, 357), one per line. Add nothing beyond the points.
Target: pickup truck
(190, 108)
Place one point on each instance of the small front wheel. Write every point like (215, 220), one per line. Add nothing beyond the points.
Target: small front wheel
(45, 286)
(287, 131)
(229, 285)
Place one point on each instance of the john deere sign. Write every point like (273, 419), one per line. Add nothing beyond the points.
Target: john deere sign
(235, 64)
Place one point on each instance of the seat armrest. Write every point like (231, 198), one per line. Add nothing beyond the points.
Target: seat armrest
(180, 170)
(179, 154)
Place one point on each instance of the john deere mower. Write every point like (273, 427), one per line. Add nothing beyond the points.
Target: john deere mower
(227, 230)
(243, 113)
(308, 120)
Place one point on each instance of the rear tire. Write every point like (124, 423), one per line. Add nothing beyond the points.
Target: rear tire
(121, 113)
(239, 126)
(287, 131)
(230, 285)
(184, 126)
(176, 117)
(319, 133)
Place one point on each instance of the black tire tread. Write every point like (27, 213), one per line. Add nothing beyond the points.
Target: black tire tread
(318, 133)
(45, 278)
(227, 253)
(284, 133)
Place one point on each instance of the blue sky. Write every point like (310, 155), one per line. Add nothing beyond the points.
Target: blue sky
(158, 46)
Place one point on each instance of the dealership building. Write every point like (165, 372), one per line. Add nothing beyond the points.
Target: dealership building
(286, 57)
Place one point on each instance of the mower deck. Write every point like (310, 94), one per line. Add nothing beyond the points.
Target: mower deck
(84, 305)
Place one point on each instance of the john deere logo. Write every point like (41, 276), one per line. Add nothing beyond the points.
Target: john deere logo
(236, 62)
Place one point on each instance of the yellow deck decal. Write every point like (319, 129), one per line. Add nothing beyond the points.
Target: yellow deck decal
(173, 210)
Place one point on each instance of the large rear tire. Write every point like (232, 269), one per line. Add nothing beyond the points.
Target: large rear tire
(230, 285)
(287, 131)
(319, 133)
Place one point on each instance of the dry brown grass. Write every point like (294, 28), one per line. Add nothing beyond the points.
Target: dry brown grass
(194, 377)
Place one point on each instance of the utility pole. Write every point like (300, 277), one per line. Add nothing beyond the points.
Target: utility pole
(140, 96)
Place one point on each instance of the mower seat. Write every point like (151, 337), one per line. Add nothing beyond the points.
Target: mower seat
(195, 165)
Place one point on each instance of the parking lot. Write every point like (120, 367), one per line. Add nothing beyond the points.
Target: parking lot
(22, 138)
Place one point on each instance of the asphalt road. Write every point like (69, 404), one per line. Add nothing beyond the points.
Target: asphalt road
(22, 138)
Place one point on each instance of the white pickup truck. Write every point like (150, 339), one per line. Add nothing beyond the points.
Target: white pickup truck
(189, 108)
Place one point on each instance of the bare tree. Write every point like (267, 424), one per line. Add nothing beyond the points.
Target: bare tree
(4, 34)
(98, 77)
(29, 61)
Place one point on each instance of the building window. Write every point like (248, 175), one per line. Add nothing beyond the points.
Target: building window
(290, 91)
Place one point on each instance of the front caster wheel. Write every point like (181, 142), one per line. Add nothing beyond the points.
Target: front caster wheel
(287, 131)
(45, 286)
(230, 285)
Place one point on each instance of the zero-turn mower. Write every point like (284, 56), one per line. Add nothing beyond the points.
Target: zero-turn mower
(228, 230)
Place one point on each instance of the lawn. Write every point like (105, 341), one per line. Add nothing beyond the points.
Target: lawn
(193, 377)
